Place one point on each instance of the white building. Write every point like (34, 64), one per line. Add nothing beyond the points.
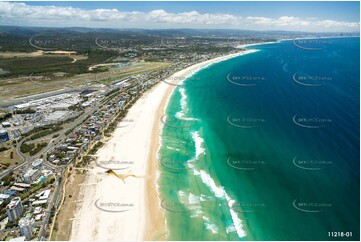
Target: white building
(6, 124)
(44, 194)
(31, 174)
(38, 217)
(14, 209)
(40, 202)
(22, 238)
(4, 196)
(25, 228)
(37, 210)
(37, 163)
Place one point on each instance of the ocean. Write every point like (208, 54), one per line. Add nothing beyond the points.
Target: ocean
(265, 146)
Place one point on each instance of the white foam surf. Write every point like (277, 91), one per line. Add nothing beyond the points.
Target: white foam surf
(198, 140)
(220, 192)
(184, 106)
(210, 226)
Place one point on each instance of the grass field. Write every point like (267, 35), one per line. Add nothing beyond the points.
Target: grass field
(34, 84)
(40, 53)
(7, 158)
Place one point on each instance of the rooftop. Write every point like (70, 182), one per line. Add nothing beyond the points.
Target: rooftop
(14, 202)
(24, 222)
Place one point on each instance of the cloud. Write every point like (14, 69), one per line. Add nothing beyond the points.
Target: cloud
(56, 16)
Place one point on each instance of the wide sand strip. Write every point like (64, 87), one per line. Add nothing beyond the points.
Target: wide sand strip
(110, 209)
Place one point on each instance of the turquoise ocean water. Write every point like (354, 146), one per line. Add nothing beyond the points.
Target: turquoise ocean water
(265, 146)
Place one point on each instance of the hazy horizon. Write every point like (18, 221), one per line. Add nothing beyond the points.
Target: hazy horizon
(255, 16)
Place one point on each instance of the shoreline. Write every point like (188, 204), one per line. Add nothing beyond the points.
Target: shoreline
(138, 142)
(281, 40)
(180, 75)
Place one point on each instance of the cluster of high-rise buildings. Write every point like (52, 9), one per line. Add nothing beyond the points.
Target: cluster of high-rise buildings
(14, 211)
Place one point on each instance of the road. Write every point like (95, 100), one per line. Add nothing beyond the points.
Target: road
(24, 162)
(55, 168)
(53, 204)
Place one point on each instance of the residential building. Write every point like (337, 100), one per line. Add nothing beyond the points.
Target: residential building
(25, 228)
(31, 174)
(14, 209)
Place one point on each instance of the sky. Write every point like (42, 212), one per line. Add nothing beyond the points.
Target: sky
(294, 16)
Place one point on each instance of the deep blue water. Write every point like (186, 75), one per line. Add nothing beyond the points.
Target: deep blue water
(280, 132)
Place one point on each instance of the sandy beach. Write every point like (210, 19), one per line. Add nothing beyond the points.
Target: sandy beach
(112, 209)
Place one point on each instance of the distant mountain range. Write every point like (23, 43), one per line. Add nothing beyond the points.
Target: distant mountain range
(29, 31)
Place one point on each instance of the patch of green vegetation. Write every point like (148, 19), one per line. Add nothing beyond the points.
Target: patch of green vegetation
(38, 148)
(85, 160)
(96, 147)
(45, 132)
(38, 131)
(15, 42)
(6, 165)
(47, 65)
(25, 147)
(69, 131)
(32, 149)
(38, 186)
(112, 91)
(24, 111)
(4, 148)
(4, 115)
(8, 179)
